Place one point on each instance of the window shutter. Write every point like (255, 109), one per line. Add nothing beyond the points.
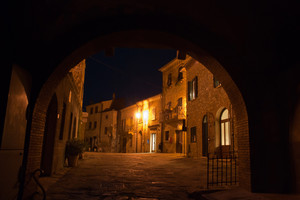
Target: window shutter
(189, 90)
(196, 88)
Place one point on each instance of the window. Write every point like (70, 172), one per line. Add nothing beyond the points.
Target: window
(106, 116)
(193, 89)
(216, 83)
(91, 110)
(96, 109)
(62, 126)
(225, 127)
(193, 134)
(131, 122)
(105, 130)
(169, 105)
(95, 124)
(179, 102)
(167, 135)
(179, 106)
(90, 125)
(169, 82)
(153, 114)
(180, 74)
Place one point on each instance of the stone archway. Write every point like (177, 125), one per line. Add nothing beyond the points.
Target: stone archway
(139, 38)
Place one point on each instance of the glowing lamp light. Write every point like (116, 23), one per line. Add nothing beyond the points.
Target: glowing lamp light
(138, 115)
(145, 115)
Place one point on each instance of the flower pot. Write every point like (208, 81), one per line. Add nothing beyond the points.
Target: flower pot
(73, 160)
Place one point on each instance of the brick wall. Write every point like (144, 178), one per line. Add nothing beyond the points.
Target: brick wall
(210, 102)
(61, 88)
(128, 132)
(172, 91)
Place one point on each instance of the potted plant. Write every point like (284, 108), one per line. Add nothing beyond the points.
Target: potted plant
(74, 148)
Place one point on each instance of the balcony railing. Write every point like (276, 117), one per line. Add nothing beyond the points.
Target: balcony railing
(178, 113)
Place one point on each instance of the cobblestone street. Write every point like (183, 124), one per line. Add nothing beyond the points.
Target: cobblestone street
(131, 176)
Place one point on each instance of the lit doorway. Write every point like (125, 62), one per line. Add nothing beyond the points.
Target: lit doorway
(153, 142)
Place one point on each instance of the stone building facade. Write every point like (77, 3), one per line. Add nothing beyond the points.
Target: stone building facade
(210, 115)
(63, 120)
(148, 125)
(93, 126)
(139, 129)
(173, 115)
(197, 116)
(133, 129)
(102, 124)
(127, 129)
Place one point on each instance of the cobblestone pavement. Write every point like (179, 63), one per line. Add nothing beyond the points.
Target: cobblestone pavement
(130, 176)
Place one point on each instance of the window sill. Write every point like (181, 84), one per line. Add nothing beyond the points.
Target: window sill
(179, 82)
(192, 99)
(219, 86)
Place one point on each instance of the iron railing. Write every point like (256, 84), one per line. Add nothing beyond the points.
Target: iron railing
(177, 113)
(222, 170)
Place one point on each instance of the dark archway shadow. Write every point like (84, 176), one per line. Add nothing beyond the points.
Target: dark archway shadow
(49, 137)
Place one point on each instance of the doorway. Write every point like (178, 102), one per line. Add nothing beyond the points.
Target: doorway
(139, 142)
(178, 141)
(153, 142)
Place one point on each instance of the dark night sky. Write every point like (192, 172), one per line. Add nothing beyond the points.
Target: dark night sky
(131, 73)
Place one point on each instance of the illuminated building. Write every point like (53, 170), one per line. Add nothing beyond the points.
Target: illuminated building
(140, 127)
(173, 116)
(211, 119)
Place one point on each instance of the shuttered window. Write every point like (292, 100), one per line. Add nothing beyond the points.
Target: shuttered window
(193, 89)
(193, 134)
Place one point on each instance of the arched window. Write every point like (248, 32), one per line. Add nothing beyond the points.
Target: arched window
(225, 127)
(204, 136)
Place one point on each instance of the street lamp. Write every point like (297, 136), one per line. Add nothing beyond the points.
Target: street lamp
(138, 115)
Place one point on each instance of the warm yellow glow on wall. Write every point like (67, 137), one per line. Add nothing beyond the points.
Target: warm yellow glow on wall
(138, 115)
(145, 115)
